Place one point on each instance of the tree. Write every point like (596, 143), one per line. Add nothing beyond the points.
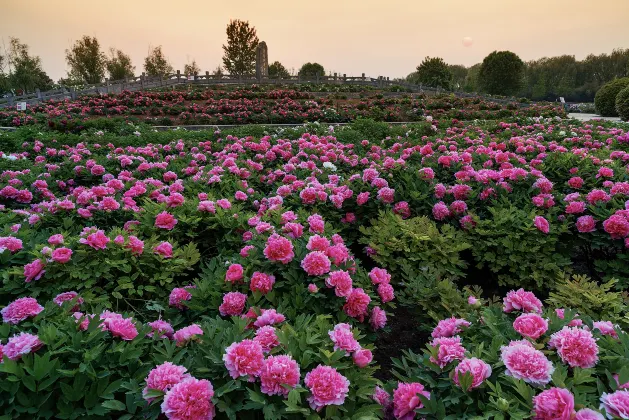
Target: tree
(434, 72)
(119, 65)
(86, 60)
(501, 73)
(278, 71)
(311, 70)
(25, 71)
(218, 73)
(191, 69)
(156, 64)
(239, 58)
(459, 74)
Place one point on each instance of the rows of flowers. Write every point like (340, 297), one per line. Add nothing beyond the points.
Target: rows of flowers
(229, 276)
(275, 106)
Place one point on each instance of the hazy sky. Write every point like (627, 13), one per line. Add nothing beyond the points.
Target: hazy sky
(376, 37)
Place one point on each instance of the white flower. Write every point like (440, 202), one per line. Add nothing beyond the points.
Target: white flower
(562, 133)
(330, 166)
(137, 133)
(428, 118)
(331, 129)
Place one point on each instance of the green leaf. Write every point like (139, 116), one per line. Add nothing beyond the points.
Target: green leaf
(114, 405)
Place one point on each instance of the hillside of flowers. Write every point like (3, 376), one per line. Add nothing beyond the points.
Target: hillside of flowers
(445, 269)
(259, 105)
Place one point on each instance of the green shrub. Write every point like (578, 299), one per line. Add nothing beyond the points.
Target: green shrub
(605, 99)
(622, 104)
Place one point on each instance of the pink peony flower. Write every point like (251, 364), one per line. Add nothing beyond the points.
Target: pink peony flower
(385, 291)
(343, 338)
(20, 309)
(165, 249)
(261, 282)
(449, 327)
(165, 220)
(617, 226)
(542, 224)
(449, 349)
(56, 239)
(576, 347)
(233, 304)
(245, 358)
(521, 300)
(524, 362)
(269, 317)
(267, 338)
(475, 367)
(382, 397)
(162, 328)
(97, 240)
(588, 414)
(61, 255)
(318, 243)
(135, 245)
(10, 243)
(554, 404)
(341, 281)
(356, 304)
(378, 318)
(278, 375)
(615, 404)
(163, 377)
(586, 224)
(279, 249)
(530, 325)
(606, 328)
(406, 400)
(234, 273)
(362, 357)
(312, 288)
(123, 328)
(379, 275)
(33, 271)
(186, 334)
(190, 399)
(179, 295)
(327, 387)
(67, 297)
(316, 263)
(21, 344)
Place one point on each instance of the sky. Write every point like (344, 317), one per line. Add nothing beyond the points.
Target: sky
(375, 37)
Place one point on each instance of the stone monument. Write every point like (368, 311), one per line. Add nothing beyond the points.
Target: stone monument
(262, 61)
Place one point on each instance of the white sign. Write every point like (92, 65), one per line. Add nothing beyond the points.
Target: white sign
(21, 106)
(562, 100)
(191, 77)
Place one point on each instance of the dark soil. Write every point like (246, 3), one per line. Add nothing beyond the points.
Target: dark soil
(403, 333)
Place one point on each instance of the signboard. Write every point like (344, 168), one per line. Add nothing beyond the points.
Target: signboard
(191, 77)
(21, 106)
(562, 100)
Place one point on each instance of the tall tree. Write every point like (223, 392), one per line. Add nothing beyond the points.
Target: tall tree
(119, 65)
(434, 72)
(471, 80)
(191, 69)
(25, 71)
(239, 56)
(502, 73)
(86, 60)
(311, 70)
(156, 63)
(278, 71)
(459, 74)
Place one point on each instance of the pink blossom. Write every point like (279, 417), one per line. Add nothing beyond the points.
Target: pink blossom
(61, 255)
(343, 338)
(233, 304)
(530, 325)
(524, 362)
(261, 282)
(606, 328)
(186, 334)
(318, 243)
(362, 357)
(406, 400)
(317, 225)
(385, 291)
(615, 404)
(97, 240)
(379, 275)
(10, 243)
(234, 273)
(165, 220)
(267, 338)
(316, 263)
(617, 226)
(449, 349)
(327, 387)
(279, 249)
(245, 358)
(542, 224)
(278, 375)
(20, 345)
(68, 297)
(165, 249)
(162, 328)
(440, 211)
(190, 399)
(356, 304)
(449, 327)
(20, 309)
(123, 328)
(521, 300)
(378, 318)
(341, 281)
(179, 295)
(163, 377)
(269, 317)
(576, 347)
(312, 288)
(475, 367)
(588, 414)
(586, 224)
(554, 404)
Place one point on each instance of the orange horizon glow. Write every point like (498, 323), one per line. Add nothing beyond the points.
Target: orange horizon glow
(345, 36)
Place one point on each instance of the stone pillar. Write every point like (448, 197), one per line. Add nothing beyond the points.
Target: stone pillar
(178, 75)
(262, 61)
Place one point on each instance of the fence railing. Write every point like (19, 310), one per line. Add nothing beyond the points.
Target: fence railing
(144, 82)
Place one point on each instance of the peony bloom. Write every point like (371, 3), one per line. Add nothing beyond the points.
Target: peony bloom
(21, 344)
(56, 239)
(343, 339)
(165, 249)
(606, 328)
(135, 245)
(10, 243)
(34, 271)
(588, 414)
(406, 400)
(449, 327)
(61, 255)
(475, 367)
(234, 273)
(341, 281)
(279, 249)
(382, 397)
(162, 328)
(179, 295)
(245, 358)
(327, 387)
(617, 226)
(163, 377)
(190, 399)
(316, 263)
(378, 318)
(521, 300)
(379, 275)
(122, 327)
(615, 404)
(385, 291)
(165, 220)
(586, 224)
(530, 325)
(524, 362)
(233, 304)
(449, 349)
(186, 334)
(20, 309)
(362, 357)
(356, 304)
(267, 338)
(440, 211)
(278, 373)
(67, 297)
(576, 347)
(541, 224)
(318, 243)
(97, 240)
(268, 317)
(261, 282)
(312, 288)
(554, 404)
